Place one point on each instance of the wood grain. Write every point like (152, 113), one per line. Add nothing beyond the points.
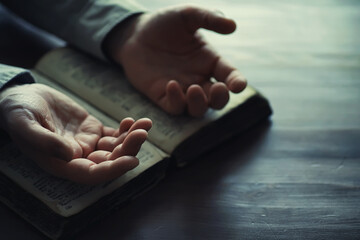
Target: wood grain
(294, 177)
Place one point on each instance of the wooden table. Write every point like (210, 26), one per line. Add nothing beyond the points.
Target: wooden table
(294, 177)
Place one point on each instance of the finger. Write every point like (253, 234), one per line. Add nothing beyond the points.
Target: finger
(197, 102)
(173, 101)
(142, 123)
(224, 72)
(108, 131)
(131, 144)
(88, 134)
(125, 125)
(87, 141)
(49, 150)
(108, 143)
(218, 95)
(196, 18)
(85, 171)
(110, 170)
(40, 143)
(99, 156)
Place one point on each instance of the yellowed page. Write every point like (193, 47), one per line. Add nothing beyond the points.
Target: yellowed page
(65, 197)
(107, 88)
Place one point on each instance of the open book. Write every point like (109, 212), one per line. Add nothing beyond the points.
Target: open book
(55, 206)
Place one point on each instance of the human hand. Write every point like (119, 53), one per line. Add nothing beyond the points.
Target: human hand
(166, 59)
(63, 139)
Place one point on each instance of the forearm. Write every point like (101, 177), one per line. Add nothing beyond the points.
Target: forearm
(82, 23)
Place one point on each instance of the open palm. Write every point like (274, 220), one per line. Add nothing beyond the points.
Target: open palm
(64, 139)
(166, 58)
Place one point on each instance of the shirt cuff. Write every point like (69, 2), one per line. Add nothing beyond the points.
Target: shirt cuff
(10, 75)
(96, 28)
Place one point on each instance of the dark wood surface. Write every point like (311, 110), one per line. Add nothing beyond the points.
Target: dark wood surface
(296, 176)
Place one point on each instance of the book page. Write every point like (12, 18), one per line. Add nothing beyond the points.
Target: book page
(62, 196)
(65, 197)
(103, 117)
(107, 88)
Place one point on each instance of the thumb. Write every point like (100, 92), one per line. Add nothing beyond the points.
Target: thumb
(40, 144)
(196, 18)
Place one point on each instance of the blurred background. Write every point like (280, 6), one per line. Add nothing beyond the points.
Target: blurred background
(293, 177)
(310, 47)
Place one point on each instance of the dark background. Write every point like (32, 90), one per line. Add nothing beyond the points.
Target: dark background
(296, 176)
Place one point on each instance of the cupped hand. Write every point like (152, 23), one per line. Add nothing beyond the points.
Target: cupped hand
(64, 139)
(166, 58)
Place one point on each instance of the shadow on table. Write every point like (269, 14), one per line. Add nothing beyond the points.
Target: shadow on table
(176, 200)
(184, 194)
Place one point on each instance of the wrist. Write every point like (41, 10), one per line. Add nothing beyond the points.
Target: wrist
(117, 38)
(4, 103)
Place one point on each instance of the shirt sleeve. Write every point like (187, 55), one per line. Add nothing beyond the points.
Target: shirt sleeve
(13, 75)
(82, 23)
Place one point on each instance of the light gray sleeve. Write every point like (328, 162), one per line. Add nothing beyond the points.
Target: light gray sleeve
(10, 75)
(82, 23)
